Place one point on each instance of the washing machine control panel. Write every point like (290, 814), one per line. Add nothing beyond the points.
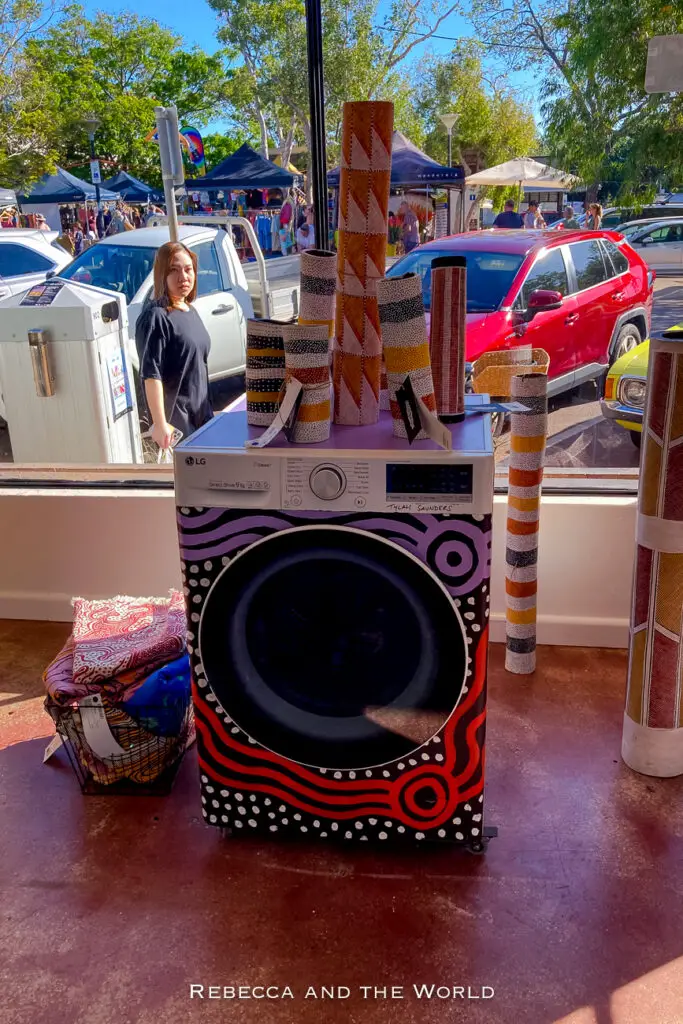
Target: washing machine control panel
(310, 483)
(327, 482)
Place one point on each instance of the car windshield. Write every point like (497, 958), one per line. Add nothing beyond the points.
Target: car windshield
(489, 275)
(121, 268)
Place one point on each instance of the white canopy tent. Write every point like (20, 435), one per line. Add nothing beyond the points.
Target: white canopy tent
(524, 173)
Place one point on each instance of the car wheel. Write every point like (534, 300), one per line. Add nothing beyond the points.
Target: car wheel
(636, 436)
(628, 338)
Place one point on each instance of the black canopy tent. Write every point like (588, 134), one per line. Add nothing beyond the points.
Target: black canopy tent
(411, 168)
(62, 187)
(132, 189)
(244, 169)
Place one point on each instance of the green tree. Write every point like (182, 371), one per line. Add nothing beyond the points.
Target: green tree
(493, 124)
(591, 59)
(363, 58)
(120, 67)
(217, 147)
(28, 136)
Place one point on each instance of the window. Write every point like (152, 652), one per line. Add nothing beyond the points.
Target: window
(548, 272)
(589, 264)
(490, 275)
(117, 266)
(616, 257)
(19, 259)
(208, 269)
(672, 233)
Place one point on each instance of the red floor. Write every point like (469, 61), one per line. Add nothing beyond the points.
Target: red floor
(111, 908)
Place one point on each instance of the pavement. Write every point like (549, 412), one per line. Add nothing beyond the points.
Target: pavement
(578, 435)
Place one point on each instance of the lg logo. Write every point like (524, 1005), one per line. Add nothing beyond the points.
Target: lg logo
(191, 461)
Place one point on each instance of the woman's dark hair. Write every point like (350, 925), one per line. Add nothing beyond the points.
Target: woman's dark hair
(162, 268)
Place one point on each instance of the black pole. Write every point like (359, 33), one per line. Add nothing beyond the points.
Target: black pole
(93, 157)
(316, 95)
(450, 162)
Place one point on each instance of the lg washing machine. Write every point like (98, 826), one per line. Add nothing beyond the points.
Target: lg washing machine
(338, 602)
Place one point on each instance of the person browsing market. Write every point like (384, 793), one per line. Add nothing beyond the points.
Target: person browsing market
(173, 347)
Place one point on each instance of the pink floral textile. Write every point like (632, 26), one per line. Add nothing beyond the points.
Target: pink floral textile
(121, 634)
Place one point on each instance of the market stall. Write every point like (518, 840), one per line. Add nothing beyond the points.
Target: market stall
(412, 171)
(132, 189)
(248, 181)
(60, 189)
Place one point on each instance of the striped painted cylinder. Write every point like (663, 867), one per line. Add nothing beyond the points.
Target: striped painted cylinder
(265, 370)
(652, 740)
(404, 342)
(527, 447)
(365, 173)
(307, 360)
(448, 334)
(318, 287)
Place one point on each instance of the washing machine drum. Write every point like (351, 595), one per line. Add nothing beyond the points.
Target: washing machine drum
(333, 647)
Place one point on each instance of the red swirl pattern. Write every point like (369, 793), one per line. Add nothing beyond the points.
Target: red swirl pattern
(262, 771)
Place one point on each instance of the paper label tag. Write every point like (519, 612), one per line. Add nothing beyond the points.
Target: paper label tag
(288, 405)
(417, 417)
(54, 745)
(434, 428)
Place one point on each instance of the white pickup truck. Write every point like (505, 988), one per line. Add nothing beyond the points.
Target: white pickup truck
(226, 295)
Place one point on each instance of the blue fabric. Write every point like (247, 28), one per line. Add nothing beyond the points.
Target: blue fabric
(160, 703)
(245, 169)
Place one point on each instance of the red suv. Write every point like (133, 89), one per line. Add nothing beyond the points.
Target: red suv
(583, 296)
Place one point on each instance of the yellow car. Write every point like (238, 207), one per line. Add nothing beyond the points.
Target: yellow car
(625, 387)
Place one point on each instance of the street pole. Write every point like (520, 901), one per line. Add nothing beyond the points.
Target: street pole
(450, 164)
(448, 120)
(91, 136)
(171, 162)
(316, 97)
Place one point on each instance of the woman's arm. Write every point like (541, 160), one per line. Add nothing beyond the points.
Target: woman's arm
(162, 431)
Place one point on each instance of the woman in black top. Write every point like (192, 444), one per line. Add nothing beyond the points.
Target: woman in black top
(173, 347)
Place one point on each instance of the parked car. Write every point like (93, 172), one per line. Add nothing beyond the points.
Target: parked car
(26, 257)
(586, 298)
(659, 242)
(625, 386)
(226, 297)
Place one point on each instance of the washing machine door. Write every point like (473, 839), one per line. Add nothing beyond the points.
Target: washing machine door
(333, 647)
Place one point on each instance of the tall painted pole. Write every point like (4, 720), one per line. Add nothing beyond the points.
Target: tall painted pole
(316, 94)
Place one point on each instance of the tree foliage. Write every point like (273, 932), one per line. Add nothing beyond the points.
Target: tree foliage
(591, 58)
(363, 56)
(28, 136)
(493, 124)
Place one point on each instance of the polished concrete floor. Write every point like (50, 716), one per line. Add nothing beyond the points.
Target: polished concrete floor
(111, 908)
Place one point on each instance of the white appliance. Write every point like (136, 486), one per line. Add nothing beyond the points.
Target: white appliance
(65, 377)
(337, 600)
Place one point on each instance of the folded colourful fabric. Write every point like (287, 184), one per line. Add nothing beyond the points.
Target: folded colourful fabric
(124, 633)
(61, 688)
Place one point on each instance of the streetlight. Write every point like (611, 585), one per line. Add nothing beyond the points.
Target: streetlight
(448, 120)
(91, 124)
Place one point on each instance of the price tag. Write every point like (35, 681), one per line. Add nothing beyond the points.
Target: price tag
(288, 407)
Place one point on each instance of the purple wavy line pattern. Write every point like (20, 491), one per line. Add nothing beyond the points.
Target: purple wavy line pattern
(459, 549)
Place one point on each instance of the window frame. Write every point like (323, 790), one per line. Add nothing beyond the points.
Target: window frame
(575, 277)
(606, 242)
(221, 276)
(538, 256)
(16, 244)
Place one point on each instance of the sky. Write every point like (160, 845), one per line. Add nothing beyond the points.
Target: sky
(196, 23)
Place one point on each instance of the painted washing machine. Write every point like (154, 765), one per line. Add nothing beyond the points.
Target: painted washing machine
(338, 602)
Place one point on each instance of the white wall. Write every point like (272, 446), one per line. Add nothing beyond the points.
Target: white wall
(58, 544)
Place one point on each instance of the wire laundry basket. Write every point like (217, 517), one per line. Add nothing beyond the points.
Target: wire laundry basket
(113, 753)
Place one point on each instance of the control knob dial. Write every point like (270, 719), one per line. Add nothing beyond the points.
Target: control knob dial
(327, 482)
